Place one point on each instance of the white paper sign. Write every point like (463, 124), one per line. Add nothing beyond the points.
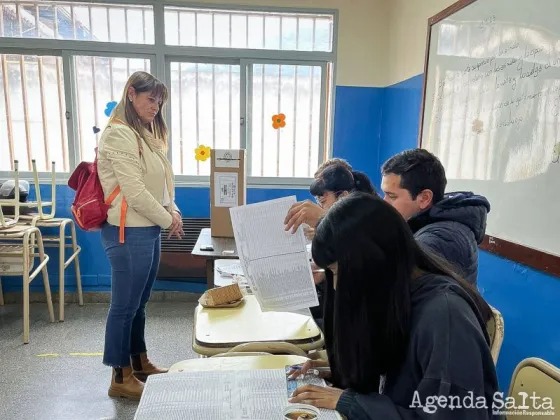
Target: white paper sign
(226, 158)
(225, 189)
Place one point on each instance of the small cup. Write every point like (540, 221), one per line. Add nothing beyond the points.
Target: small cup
(301, 411)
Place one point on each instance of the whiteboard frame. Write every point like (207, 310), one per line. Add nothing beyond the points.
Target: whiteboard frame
(539, 260)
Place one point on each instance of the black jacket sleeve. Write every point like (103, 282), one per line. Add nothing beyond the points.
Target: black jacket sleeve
(450, 350)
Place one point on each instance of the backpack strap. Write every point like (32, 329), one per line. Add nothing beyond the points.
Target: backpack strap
(117, 190)
(124, 208)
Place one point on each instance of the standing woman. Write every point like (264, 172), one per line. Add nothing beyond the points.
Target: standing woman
(132, 159)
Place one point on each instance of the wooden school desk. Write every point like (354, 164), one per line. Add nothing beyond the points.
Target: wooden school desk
(219, 330)
(220, 245)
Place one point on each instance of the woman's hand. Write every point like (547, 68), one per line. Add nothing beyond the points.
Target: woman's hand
(176, 227)
(318, 396)
(309, 365)
(303, 212)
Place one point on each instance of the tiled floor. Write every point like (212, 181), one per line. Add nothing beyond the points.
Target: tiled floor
(56, 376)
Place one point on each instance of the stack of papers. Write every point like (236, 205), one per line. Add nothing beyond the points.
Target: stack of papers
(230, 270)
(275, 262)
(221, 395)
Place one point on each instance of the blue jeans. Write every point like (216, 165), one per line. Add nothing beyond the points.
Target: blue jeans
(134, 267)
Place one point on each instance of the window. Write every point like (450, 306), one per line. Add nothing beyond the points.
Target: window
(255, 30)
(228, 72)
(32, 107)
(294, 91)
(205, 109)
(99, 81)
(77, 21)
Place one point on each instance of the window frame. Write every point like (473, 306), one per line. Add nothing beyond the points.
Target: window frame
(160, 55)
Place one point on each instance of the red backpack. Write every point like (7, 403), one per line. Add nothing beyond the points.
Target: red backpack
(90, 207)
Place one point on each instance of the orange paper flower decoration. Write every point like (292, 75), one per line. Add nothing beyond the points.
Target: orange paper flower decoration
(202, 153)
(278, 121)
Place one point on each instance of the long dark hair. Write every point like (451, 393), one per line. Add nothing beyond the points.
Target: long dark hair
(367, 320)
(337, 178)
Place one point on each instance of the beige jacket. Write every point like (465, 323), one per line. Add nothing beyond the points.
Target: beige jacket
(141, 177)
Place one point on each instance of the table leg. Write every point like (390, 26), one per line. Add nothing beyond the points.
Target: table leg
(210, 273)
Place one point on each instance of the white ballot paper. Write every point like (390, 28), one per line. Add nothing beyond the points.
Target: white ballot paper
(220, 395)
(275, 262)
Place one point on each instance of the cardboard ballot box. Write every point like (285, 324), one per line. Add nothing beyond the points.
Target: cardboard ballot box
(228, 188)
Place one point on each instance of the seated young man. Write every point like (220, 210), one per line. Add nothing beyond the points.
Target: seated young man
(451, 225)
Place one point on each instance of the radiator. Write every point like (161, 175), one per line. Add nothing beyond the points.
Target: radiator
(177, 263)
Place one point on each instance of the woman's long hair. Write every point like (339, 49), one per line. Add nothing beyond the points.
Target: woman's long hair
(367, 321)
(144, 82)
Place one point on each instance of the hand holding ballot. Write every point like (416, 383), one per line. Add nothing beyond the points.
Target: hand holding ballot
(303, 212)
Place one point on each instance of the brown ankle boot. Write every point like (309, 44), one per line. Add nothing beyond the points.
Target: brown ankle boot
(143, 367)
(125, 385)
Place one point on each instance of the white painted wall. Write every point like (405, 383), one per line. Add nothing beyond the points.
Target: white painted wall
(362, 35)
(408, 26)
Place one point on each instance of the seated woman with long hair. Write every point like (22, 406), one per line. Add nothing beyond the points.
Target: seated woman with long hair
(402, 329)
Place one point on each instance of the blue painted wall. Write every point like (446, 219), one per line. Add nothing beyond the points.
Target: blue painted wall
(357, 128)
(528, 299)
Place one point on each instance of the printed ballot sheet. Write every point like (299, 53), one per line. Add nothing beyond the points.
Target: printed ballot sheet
(275, 262)
(218, 395)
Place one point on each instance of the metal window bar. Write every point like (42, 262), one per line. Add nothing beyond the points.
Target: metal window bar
(295, 120)
(196, 116)
(55, 17)
(246, 31)
(78, 119)
(213, 106)
(178, 28)
(144, 29)
(37, 21)
(60, 85)
(90, 24)
(295, 103)
(2, 23)
(73, 22)
(262, 117)
(126, 40)
(94, 91)
(212, 18)
(263, 30)
(278, 131)
(181, 133)
(311, 92)
(24, 91)
(6, 85)
(110, 60)
(230, 76)
(44, 112)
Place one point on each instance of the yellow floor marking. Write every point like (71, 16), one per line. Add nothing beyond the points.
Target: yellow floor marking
(86, 354)
(48, 355)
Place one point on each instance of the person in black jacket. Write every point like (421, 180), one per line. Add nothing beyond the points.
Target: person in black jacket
(451, 225)
(405, 336)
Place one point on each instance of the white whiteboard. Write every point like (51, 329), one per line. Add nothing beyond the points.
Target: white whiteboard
(492, 113)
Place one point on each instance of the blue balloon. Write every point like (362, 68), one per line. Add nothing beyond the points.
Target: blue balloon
(109, 108)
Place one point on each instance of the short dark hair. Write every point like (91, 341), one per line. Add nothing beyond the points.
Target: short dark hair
(337, 178)
(331, 162)
(419, 170)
